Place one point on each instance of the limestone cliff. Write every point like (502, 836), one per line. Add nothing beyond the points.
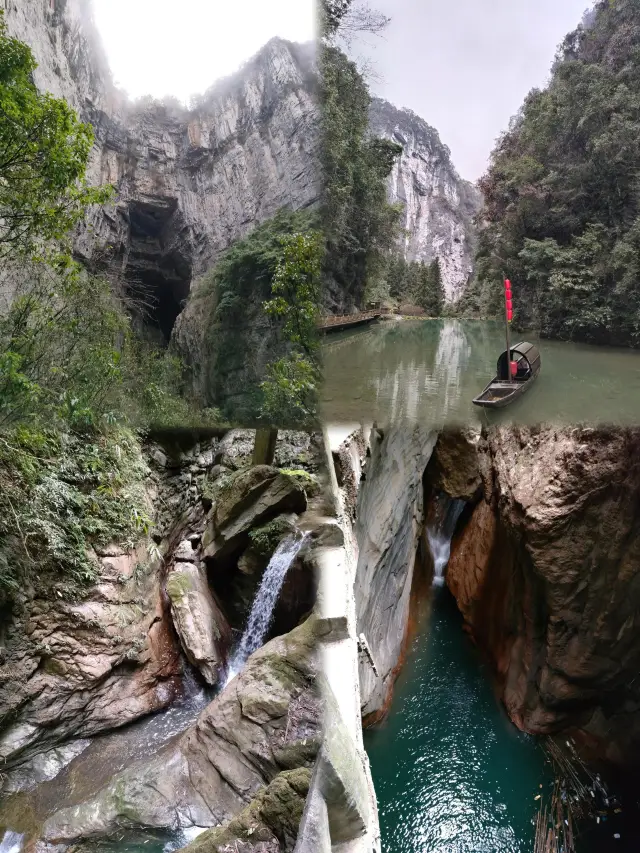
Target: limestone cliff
(438, 205)
(190, 182)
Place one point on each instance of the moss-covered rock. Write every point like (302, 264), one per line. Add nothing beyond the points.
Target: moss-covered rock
(269, 823)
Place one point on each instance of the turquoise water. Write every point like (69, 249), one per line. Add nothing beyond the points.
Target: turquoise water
(429, 371)
(452, 775)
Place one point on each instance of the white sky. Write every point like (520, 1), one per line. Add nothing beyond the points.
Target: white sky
(180, 47)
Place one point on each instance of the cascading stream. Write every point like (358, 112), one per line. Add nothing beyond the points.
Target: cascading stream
(440, 533)
(262, 611)
(11, 842)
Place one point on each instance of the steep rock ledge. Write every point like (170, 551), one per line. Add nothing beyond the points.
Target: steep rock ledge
(265, 721)
(547, 575)
(390, 517)
(438, 206)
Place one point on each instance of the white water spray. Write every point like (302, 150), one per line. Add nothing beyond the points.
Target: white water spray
(11, 842)
(440, 534)
(265, 602)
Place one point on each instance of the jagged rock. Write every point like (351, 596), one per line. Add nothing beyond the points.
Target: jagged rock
(251, 497)
(454, 467)
(75, 668)
(268, 825)
(389, 524)
(439, 207)
(551, 583)
(268, 719)
(204, 632)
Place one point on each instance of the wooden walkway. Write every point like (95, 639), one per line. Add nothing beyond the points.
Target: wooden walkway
(347, 321)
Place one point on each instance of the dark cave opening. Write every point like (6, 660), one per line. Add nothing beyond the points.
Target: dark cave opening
(158, 268)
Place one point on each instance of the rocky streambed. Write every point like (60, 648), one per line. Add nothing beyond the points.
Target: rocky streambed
(117, 713)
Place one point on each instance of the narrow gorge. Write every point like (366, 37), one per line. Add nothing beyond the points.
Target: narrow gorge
(178, 692)
(539, 610)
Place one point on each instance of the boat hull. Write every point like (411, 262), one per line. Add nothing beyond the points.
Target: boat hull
(499, 394)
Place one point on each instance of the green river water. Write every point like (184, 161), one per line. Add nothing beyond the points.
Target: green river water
(429, 371)
(452, 775)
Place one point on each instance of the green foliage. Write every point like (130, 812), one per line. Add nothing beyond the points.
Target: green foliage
(265, 539)
(61, 493)
(295, 290)
(412, 282)
(290, 386)
(290, 390)
(359, 224)
(562, 192)
(242, 338)
(68, 356)
(44, 150)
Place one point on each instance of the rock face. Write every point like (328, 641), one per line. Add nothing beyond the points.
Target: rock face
(388, 527)
(268, 825)
(74, 668)
(266, 721)
(251, 497)
(438, 205)
(547, 574)
(189, 182)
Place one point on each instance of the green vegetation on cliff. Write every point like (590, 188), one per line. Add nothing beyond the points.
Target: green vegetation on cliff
(260, 304)
(562, 193)
(415, 283)
(359, 224)
(76, 382)
(44, 150)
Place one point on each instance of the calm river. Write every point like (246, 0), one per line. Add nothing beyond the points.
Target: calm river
(428, 371)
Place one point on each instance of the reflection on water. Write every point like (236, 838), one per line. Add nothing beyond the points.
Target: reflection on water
(451, 774)
(428, 372)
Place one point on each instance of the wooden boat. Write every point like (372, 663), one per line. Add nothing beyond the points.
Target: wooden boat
(502, 390)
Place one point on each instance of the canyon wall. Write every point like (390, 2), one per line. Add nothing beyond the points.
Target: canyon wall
(389, 524)
(547, 574)
(190, 181)
(438, 206)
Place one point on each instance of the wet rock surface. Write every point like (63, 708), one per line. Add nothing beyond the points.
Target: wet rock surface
(390, 517)
(266, 721)
(547, 573)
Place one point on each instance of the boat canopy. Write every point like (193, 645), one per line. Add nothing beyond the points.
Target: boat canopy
(527, 357)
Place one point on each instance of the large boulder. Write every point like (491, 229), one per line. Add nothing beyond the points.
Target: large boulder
(267, 720)
(454, 466)
(205, 634)
(547, 573)
(249, 498)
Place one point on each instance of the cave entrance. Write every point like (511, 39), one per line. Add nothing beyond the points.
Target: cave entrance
(159, 266)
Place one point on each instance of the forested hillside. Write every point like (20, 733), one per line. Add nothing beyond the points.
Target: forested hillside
(562, 192)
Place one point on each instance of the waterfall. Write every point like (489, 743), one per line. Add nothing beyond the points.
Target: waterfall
(440, 533)
(265, 602)
(11, 842)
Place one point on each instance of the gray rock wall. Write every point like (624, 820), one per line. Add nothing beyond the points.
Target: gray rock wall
(438, 205)
(388, 527)
(190, 182)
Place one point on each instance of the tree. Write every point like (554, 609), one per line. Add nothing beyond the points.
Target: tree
(290, 387)
(347, 18)
(359, 224)
(44, 150)
(562, 198)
